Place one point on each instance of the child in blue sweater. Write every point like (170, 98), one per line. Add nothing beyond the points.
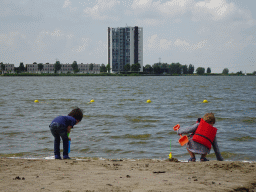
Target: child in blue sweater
(62, 125)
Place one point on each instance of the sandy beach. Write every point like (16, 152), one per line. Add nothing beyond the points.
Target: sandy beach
(94, 174)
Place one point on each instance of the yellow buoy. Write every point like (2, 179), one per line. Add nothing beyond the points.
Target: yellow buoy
(36, 101)
(148, 101)
(92, 100)
(170, 155)
(205, 101)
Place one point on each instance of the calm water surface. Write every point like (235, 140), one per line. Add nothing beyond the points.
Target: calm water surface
(120, 123)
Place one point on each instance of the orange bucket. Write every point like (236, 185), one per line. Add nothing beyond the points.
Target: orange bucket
(183, 139)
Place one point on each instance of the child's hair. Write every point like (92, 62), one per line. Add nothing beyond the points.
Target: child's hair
(209, 118)
(77, 114)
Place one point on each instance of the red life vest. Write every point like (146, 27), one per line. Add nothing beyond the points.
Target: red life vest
(205, 134)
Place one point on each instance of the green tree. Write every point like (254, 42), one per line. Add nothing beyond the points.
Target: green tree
(108, 67)
(200, 70)
(164, 67)
(225, 71)
(75, 67)
(21, 67)
(239, 73)
(91, 67)
(57, 66)
(191, 69)
(135, 67)
(103, 68)
(254, 72)
(185, 69)
(40, 66)
(127, 67)
(148, 68)
(156, 68)
(2, 67)
(175, 68)
(208, 70)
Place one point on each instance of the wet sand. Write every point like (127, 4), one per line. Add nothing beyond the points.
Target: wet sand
(125, 175)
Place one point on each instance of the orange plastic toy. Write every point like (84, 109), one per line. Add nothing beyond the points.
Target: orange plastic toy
(183, 139)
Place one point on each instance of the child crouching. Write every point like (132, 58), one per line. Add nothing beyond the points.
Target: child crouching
(202, 138)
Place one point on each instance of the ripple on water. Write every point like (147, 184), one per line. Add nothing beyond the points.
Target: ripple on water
(224, 154)
(129, 136)
(141, 119)
(138, 143)
(84, 150)
(14, 154)
(13, 134)
(245, 138)
(249, 120)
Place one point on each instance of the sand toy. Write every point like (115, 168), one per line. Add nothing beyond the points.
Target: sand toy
(183, 139)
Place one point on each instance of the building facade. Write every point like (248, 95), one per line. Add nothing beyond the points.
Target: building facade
(65, 68)
(125, 46)
(8, 68)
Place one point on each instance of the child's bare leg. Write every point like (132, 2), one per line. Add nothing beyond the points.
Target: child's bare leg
(192, 155)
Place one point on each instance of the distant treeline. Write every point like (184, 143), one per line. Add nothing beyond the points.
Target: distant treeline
(128, 70)
(179, 69)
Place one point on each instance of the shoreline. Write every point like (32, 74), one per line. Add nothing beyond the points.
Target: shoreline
(94, 174)
(120, 74)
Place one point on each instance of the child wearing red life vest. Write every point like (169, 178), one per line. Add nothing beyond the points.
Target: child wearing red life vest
(202, 138)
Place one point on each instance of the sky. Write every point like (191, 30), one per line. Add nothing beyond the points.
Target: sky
(205, 33)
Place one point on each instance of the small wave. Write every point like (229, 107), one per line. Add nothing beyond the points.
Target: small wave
(143, 136)
(138, 143)
(226, 155)
(13, 154)
(245, 138)
(84, 150)
(112, 151)
(13, 134)
(127, 100)
(129, 136)
(141, 119)
(249, 120)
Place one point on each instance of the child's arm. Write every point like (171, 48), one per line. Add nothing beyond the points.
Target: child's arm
(216, 150)
(188, 129)
(68, 131)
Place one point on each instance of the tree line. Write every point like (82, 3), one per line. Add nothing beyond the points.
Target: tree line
(156, 68)
(127, 68)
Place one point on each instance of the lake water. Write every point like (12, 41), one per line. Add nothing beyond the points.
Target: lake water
(120, 123)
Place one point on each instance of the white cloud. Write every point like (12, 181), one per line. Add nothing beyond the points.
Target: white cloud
(155, 43)
(180, 43)
(152, 42)
(67, 3)
(103, 10)
(100, 49)
(143, 4)
(56, 33)
(8, 39)
(213, 10)
(165, 44)
(175, 7)
(81, 48)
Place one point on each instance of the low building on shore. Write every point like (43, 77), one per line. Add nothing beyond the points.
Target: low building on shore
(8, 68)
(65, 68)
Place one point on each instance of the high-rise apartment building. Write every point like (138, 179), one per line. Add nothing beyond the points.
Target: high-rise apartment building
(125, 46)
